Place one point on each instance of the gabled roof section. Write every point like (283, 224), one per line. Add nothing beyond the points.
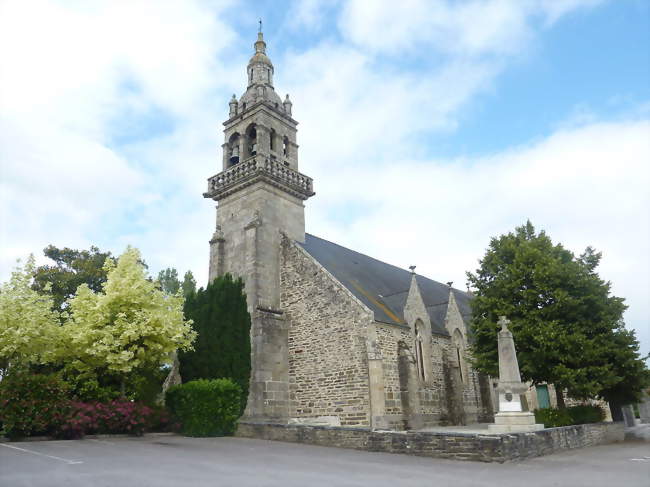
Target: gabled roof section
(383, 287)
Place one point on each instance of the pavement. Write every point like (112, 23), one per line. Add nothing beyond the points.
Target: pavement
(165, 461)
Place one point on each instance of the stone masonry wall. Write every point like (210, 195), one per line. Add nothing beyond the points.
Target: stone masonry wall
(328, 328)
(457, 446)
(471, 391)
(430, 393)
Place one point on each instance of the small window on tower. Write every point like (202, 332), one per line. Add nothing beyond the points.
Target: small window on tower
(272, 139)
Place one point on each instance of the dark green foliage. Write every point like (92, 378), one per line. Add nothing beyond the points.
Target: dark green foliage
(553, 418)
(87, 387)
(623, 355)
(32, 404)
(170, 283)
(567, 327)
(222, 347)
(586, 414)
(205, 407)
(146, 385)
(189, 284)
(168, 280)
(72, 268)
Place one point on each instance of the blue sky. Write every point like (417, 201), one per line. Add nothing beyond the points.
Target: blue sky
(428, 126)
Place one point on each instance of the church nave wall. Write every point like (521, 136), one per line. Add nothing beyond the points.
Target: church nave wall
(328, 365)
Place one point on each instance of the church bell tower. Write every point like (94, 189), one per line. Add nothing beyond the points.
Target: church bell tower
(260, 196)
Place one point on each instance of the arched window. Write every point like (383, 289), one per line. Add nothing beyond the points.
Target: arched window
(233, 149)
(458, 349)
(285, 146)
(272, 139)
(419, 355)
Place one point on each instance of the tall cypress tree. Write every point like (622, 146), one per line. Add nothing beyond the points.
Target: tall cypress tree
(222, 348)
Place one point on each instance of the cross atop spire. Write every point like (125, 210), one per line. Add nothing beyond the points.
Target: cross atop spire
(260, 31)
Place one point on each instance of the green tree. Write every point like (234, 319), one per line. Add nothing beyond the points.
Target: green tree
(189, 284)
(566, 324)
(168, 280)
(72, 268)
(29, 323)
(221, 319)
(129, 327)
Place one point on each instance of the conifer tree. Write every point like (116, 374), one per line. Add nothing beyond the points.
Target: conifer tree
(221, 320)
(189, 284)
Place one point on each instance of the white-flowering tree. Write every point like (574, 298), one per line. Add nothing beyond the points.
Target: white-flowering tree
(30, 330)
(131, 325)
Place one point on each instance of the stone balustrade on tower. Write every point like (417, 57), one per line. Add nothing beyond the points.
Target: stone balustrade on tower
(258, 168)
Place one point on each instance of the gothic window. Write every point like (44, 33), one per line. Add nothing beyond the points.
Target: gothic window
(458, 345)
(419, 355)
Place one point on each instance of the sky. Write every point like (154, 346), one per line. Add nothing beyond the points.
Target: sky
(428, 126)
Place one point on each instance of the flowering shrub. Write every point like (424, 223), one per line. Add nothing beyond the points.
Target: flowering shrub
(118, 416)
(36, 404)
(32, 404)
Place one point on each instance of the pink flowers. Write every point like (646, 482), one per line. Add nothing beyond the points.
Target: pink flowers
(118, 416)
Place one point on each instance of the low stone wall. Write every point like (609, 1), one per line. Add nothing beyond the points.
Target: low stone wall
(458, 446)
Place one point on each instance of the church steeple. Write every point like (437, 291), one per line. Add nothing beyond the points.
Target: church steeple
(260, 196)
(260, 122)
(260, 157)
(260, 67)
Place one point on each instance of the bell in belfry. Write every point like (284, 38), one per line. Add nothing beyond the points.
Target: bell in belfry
(234, 157)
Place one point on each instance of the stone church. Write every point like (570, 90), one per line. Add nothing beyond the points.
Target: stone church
(337, 337)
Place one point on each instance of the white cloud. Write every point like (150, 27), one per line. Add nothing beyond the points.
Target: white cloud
(584, 186)
(477, 27)
(309, 14)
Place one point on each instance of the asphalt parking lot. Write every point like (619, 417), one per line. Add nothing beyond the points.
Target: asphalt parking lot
(163, 461)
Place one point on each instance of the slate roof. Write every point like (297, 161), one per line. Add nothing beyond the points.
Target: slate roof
(383, 287)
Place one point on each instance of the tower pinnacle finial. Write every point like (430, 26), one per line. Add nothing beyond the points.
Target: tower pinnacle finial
(260, 31)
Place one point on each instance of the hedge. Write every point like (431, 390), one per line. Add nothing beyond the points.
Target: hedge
(586, 414)
(552, 418)
(205, 407)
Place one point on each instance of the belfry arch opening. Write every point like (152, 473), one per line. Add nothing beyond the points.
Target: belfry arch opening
(233, 149)
(285, 146)
(251, 140)
(272, 142)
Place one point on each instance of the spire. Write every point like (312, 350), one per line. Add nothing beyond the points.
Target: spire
(260, 67)
(260, 45)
